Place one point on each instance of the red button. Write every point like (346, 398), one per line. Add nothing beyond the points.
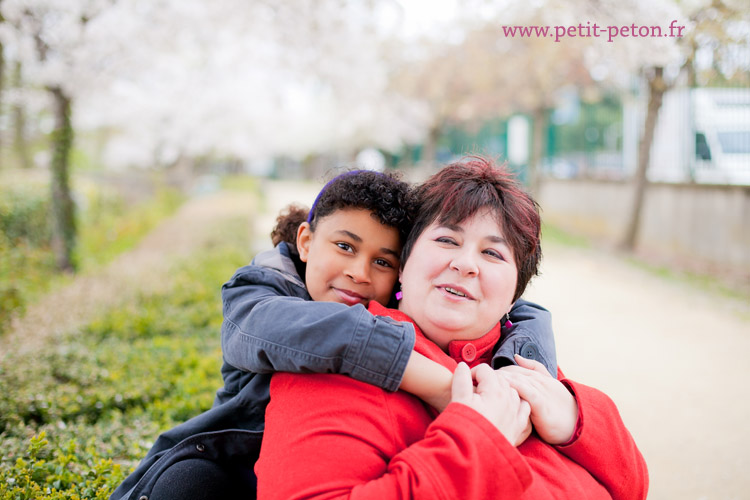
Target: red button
(469, 352)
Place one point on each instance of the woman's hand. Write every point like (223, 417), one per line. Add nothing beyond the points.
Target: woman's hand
(554, 411)
(494, 399)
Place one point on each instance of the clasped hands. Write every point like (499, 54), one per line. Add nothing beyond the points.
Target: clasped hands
(515, 397)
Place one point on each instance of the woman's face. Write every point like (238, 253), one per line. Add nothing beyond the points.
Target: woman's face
(460, 280)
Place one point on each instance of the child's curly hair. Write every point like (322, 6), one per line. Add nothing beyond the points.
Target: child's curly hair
(384, 194)
(287, 223)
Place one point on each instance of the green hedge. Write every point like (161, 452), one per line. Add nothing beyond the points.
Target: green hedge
(46, 474)
(25, 255)
(77, 415)
(24, 215)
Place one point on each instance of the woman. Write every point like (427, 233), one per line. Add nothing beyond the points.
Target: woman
(473, 249)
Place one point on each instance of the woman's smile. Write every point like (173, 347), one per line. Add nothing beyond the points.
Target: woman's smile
(455, 292)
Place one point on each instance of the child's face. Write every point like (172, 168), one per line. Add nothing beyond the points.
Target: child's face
(351, 258)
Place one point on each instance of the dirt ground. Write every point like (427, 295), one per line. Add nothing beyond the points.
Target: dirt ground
(670, 355)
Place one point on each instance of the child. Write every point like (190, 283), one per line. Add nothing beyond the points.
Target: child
(348, 251)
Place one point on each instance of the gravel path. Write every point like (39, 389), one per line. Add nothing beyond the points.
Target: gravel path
(670, 355)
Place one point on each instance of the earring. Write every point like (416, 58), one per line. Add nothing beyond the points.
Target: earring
(398, 295)
(507, 324)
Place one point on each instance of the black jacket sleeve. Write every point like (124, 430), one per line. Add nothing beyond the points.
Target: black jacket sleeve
(530, 336)
(270, 325)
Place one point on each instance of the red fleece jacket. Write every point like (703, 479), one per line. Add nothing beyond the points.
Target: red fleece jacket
(330, 436)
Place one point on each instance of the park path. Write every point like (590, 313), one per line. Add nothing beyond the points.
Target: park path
(673, 357)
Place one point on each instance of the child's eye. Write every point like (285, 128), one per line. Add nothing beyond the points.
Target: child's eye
(383, 263)
(344, 246)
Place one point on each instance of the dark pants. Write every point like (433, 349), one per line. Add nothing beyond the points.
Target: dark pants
(200, 479)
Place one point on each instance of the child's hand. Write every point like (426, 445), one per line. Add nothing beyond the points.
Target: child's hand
(494, 399)
(554, 411)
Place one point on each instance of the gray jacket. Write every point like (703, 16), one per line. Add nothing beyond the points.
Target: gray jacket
(320, 337)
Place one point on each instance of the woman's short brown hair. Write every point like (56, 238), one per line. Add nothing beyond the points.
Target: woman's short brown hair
(461, 189)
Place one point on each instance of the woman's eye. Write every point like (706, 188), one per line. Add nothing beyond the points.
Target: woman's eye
(495, 254)
(344, 246)
(445, 239)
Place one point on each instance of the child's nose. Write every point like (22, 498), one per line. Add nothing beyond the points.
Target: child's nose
(359, 271)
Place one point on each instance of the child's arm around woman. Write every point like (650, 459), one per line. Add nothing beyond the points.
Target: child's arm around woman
(270, 324)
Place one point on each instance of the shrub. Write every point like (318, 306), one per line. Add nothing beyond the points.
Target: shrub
(25, 256)
(46, 474)
(77, 415)
(24, 215)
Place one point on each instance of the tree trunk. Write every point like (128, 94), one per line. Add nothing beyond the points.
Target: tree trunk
(689, 65)
(63, 210)
(429, 150)
(656, 88)
(538, 148)
(20, 144)
(2, 88)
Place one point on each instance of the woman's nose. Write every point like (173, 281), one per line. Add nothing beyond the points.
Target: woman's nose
(465, 263)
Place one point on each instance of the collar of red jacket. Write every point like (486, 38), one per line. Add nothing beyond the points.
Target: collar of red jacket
(473, 352)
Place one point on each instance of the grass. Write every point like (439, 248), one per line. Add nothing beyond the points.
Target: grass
(710, 283)
(78, 414)
(107, 226)
(555, 236)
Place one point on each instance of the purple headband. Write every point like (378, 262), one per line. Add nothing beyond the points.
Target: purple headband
(311, 214)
